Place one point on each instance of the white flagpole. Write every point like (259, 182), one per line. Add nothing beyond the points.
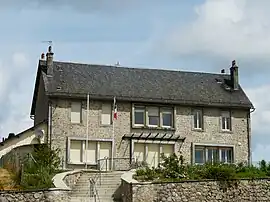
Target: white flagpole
(113, 143)
(87, 120)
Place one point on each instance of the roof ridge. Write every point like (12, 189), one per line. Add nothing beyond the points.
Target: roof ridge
(141, 68)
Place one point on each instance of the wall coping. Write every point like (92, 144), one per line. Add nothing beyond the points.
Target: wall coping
(128, 177)
(58, 179)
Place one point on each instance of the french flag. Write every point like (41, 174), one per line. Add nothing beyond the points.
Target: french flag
(114, 109)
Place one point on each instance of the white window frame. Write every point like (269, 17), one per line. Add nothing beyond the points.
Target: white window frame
(83, 146)
(226, 115)
(206, 147)
(71, 112)
(139, 109)
(147, 142)
(197, 113)
(164, 110)
(145, 109)
(102, 113)
(158, 116)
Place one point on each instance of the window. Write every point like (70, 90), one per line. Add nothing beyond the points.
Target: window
(211, 154)
(81, 152)
(139, 116)
(76, 110)
(151, 152)
(225, 120)
(197, 119)
(167, 117)
(153, 116)
(106, 114)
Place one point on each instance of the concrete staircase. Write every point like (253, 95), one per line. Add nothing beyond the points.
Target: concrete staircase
(107, 186)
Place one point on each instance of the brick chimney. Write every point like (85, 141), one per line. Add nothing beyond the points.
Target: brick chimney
(234, 76)
(49, 61)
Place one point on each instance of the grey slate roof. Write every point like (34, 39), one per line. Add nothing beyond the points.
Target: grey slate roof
(149, 85)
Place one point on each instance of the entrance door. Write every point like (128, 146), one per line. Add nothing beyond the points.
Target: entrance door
(152, 158)
(105, 151)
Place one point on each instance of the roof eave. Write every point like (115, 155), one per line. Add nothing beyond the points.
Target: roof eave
(161, 100)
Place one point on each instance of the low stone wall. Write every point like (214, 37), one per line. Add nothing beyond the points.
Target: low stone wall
(35, 196)
(72, 178)
(189, 191)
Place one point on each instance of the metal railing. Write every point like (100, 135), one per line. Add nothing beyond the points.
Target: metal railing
(104, 165)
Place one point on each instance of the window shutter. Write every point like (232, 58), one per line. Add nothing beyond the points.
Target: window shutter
(106, 114)
(76, 112)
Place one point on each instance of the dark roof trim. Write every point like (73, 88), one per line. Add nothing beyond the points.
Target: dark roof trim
(150, 136)
(160, 100)
(19, 134)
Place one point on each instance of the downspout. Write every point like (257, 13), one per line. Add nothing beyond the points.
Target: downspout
(249, 136)
(50, 125)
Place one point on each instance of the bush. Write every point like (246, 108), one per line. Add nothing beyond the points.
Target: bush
(173, 168)
(39, 168)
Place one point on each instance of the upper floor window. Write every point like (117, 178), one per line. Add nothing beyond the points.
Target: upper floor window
(197, 119)
(76, 112)
(226, 120)
(106, 114)
(153, 116)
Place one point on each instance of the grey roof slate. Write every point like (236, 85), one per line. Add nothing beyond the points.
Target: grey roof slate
(137, 84)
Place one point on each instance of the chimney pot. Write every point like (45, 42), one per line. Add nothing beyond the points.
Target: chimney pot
(222, 71)
(42, 56)
(234, 75)
(49, 61)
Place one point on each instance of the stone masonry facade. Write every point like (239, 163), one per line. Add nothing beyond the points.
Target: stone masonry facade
(62, 128)
(210, 191)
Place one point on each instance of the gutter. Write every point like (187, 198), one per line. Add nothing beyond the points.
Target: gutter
(249, 136)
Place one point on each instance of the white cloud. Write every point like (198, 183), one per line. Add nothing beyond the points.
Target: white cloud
(15, 94)
(226, 28)
(260, 121)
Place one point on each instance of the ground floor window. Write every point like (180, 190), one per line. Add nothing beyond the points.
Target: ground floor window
(212, 154)
(81, 151)
(151, 152)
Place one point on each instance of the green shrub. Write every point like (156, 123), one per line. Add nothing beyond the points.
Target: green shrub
(172, 168)
(39, 168)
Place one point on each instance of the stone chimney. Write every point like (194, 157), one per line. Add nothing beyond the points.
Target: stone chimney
(234, 76)
(49, 61)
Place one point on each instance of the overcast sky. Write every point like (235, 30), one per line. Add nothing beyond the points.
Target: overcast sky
(192, 35)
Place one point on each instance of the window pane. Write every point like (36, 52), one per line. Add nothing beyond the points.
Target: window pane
(213, 155)
(228, 121)
(200, 119)
(223, 156)
(229, 156)
(153, 116)
(167, 119)
(139, 117)
(153, 111)
(153, 120)
(197, 119)
(223, 123)
(199, 156)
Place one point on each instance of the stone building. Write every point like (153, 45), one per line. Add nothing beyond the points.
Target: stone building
(203, 116)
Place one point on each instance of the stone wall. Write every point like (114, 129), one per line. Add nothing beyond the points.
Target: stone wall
(194, 191)
(211, 133)
(72, 178)
(34, 196)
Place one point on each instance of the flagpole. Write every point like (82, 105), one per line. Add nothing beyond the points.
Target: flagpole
(87, 119)
(113, 142)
